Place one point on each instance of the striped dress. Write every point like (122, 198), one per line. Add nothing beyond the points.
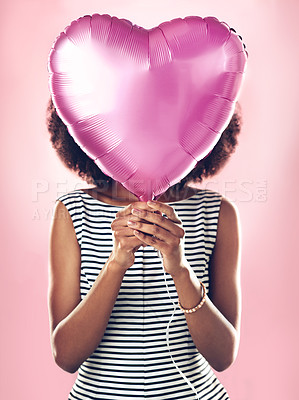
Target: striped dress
(147, 351)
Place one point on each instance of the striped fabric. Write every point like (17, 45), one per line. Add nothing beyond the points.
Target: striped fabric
(147, 351)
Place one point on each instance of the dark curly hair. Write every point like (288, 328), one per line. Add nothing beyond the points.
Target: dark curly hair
(75, 159)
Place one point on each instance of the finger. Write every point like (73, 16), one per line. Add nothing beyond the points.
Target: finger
(165, 209)
(123, 232)
(123, 212)
(127, 234)
(150, 240)
(128, 209)
(150, 230)
(121, 222)
(157, 220)
(133, 243)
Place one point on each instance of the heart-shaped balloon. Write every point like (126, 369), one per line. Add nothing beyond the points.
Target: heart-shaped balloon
(146, 105)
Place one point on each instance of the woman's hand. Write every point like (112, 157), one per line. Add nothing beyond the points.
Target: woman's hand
(125, 242)
(163, 232)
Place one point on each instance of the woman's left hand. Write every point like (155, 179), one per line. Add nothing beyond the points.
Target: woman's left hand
(163, 232)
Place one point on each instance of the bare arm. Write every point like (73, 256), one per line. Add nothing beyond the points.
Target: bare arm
(77, 327)
(215, 327)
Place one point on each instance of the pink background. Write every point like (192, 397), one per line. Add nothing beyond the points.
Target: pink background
(260, 179)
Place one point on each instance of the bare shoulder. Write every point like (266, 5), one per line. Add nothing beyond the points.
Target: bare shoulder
(62, 225)
(228, 238)
(228, 208)
(60, 211)
(228, 216)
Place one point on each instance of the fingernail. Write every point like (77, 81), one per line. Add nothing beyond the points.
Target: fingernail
(131, 223)
(135, 211)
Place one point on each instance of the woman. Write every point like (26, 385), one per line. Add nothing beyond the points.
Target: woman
(144, 298)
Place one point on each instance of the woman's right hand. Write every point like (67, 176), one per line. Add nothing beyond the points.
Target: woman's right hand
(125, 242)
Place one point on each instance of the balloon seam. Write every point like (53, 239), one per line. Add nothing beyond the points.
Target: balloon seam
(169, 49)
(110, 29)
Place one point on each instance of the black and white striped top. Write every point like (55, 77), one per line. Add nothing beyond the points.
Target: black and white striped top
(147, 351)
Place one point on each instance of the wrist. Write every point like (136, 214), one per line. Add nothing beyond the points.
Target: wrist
(115, 266)
(180, 273)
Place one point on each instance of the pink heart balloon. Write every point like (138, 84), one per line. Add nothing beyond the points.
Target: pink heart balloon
(146, 105)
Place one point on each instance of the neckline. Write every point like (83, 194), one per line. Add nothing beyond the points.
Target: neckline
(125, 205)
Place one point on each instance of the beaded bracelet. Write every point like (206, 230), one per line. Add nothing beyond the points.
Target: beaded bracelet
(192, 310)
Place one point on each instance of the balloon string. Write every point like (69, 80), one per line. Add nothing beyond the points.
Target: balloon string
(167, 332)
